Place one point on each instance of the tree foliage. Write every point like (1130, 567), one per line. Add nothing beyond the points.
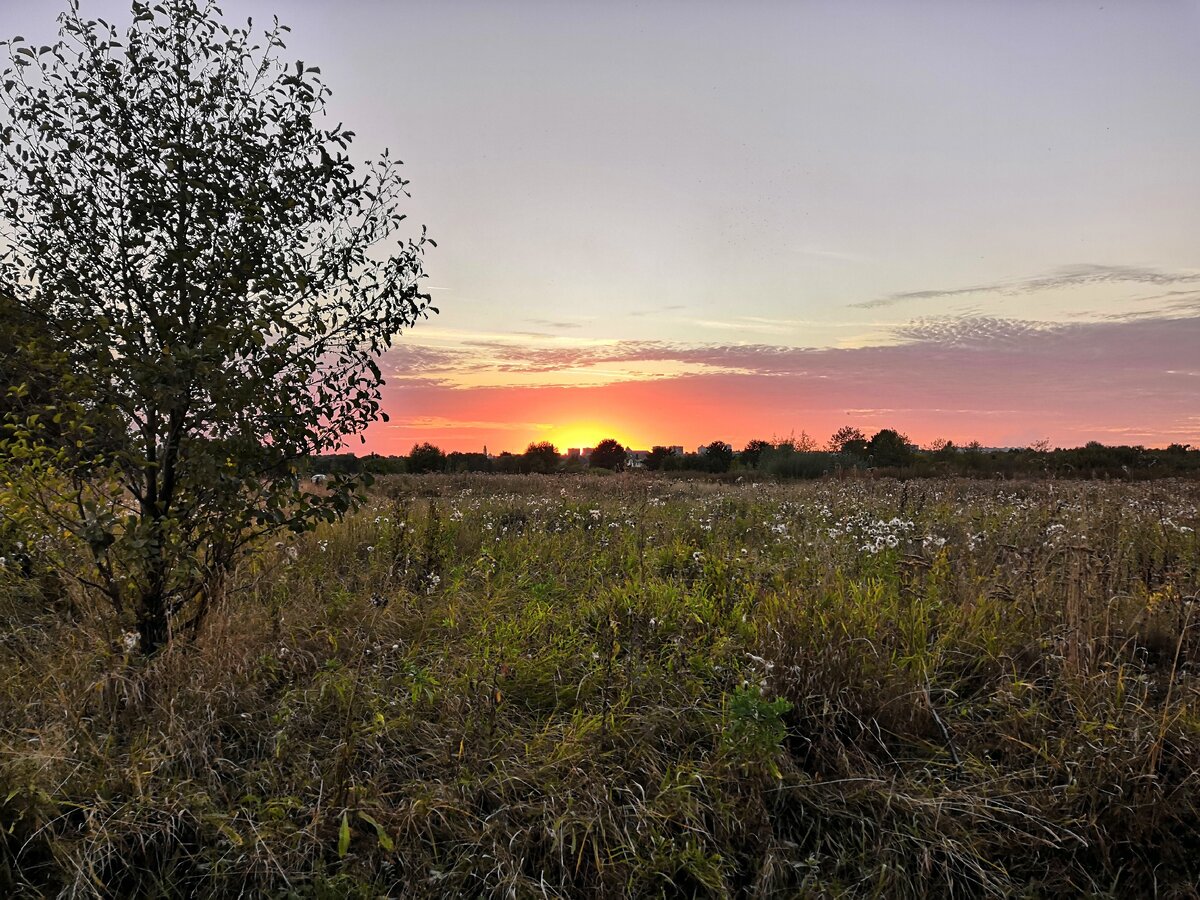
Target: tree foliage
(608, 454)
(426, 457)
(849, 440)
(540, 457)
(890, 448)
(657, 457)
(752, 452)
(718, 456)
(173, 202)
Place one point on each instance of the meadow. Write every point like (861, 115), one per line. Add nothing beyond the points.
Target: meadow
(578, 686)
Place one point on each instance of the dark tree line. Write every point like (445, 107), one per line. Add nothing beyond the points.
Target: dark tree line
(886, 452)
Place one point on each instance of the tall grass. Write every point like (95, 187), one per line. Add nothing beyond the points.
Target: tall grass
(525, 686)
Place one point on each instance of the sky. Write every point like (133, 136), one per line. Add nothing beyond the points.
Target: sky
(676, 222)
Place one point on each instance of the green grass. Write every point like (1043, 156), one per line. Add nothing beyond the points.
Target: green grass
(623, 686)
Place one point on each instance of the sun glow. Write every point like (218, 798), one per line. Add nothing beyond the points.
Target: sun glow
(582, 434)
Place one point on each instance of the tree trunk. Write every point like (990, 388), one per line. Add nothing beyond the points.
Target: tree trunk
(152, 625)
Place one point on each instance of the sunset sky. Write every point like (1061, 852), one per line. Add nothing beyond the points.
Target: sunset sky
(674, 222)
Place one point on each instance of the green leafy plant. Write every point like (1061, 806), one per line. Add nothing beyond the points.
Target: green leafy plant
(172, 203)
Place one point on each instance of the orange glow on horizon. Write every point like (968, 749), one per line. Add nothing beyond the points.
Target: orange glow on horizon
(584, 434)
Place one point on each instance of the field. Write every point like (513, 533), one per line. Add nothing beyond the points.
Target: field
(628, 686)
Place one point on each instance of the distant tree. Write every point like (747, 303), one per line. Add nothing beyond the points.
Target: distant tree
(175, 205)
(468, 462)
(658, 457)
(806, 443)
(749, 457)
(608, 454)
(426, 458)
(377, 464)
(847, 439)
(944, 450)
(335, 464)
(718, 456)
(541, 457)
(508, 463)
(890, 448)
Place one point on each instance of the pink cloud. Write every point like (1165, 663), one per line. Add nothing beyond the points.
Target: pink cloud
(999, 381)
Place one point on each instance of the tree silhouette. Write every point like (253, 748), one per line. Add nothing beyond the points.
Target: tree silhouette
(848, 439)
(174, 204)
(889, 448)
(608, 454)
(541, 457)
(718, 456)
(426, 457)
(752, 453)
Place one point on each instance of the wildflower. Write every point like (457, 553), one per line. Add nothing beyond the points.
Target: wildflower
(379, 601)
(130, 641)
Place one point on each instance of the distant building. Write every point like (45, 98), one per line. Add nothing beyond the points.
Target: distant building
(702, 450)
(573, 453)
(636, 459)
(676, 449)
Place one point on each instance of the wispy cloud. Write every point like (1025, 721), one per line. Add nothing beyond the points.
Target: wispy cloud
(1065, 277)
(554, 323)
(750, 324)
(441, 423)
(1001, 381)
(1150, 340)
(974, 331)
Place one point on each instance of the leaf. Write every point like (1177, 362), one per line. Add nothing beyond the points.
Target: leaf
(343, 837)
(385, 839)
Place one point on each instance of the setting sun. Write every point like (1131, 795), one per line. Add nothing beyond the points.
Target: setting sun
(584, 434)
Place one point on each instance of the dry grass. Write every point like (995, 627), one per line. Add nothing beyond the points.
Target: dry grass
(623, 687)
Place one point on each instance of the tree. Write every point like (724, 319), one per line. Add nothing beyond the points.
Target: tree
(889, 448)
(752, 452)
(173, 202)
(718, 456)
(657, 458)
(805, 443)
(608, 454)
(943, 449)
(426, 457)
(849, 440)
(541, 457)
